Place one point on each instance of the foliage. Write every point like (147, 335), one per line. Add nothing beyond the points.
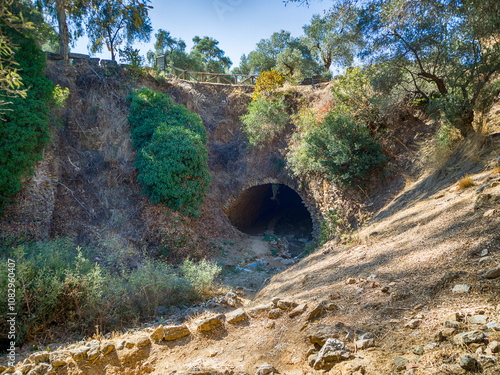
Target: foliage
(339, 145)
(171, 151)
(334, 37)
(352, 93)
(446, 137)
(57, 283)
(343, 148)
(60, 95)
(288, 63)
(265, 120)
(201, 276)
(243, 67)
(265, 55)
(267, 83)
(25, 130)
(334, 224)
(113, 22)
(211, 56)
(170, 47)
(132, 57)
(444, 50)
(11, 84)
(466, 182)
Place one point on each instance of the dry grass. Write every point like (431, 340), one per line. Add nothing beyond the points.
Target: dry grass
(496, 170)
(466, 182)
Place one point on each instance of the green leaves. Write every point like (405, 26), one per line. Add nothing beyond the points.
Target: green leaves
(344, 148)
(25, 130)
(266, 118)
(171, 151)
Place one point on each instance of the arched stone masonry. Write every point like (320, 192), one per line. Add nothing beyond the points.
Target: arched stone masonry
(308, 202)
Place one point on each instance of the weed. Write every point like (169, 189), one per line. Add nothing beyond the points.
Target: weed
(58, 284)
(465, 182)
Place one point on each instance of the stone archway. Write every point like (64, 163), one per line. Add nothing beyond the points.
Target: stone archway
(274, 206)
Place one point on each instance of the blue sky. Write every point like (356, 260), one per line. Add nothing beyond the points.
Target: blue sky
(237, 24)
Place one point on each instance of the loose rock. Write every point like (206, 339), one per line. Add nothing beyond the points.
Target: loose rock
(142, 341)
(468, 337)
(478, 319)
(494, 346)
(320, 333)
(298, 310)
(40, 357)
(236, 316)
(461, 288)
(419, 350)
(80, 354)
(364, 344)
(107, 348)
(468, 362)
(318, 310)
(275, 313)
(400, 362)
(58, 359)
(413, 324)
(205, 325)
(175, 332)
(93, 353)
(266, 369)
(286, 304)
(157, 334)
(256, 311)
(332, 352)
(492, 274)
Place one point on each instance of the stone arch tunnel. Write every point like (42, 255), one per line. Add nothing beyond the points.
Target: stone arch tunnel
(273, 208)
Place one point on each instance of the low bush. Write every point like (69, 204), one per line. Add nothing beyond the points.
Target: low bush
(265, 120)
(60, 284)
(172, 157)
(466, 182)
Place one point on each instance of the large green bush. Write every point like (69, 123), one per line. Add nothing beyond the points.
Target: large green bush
(171, 151)
(25, 131)
(339, 147)
(57, 284)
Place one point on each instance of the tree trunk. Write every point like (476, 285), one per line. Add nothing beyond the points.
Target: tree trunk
(63, 30)
(464, 123)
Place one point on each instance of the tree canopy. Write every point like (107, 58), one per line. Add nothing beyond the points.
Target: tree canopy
(114, 22)
(334, 37)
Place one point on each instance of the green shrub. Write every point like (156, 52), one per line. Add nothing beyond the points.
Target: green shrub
(343, 149)
(172, 156)
(201, 276)
(334, 224)
(173, 169)
(266, 118)
(25, 131)
(58, 285)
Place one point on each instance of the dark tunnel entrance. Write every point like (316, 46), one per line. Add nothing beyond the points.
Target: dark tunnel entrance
(272, 209)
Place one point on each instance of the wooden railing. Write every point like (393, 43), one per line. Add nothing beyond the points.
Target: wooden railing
(231, 79)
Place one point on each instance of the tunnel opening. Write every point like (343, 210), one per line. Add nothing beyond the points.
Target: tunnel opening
(273, 209)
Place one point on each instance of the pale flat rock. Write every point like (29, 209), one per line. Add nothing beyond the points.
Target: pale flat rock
(175, 332)
(298, 310)
(205, 325)
(478, 319)
(236, 316)
(461, 288)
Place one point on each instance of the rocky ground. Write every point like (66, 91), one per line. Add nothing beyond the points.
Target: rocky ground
(417, 291)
